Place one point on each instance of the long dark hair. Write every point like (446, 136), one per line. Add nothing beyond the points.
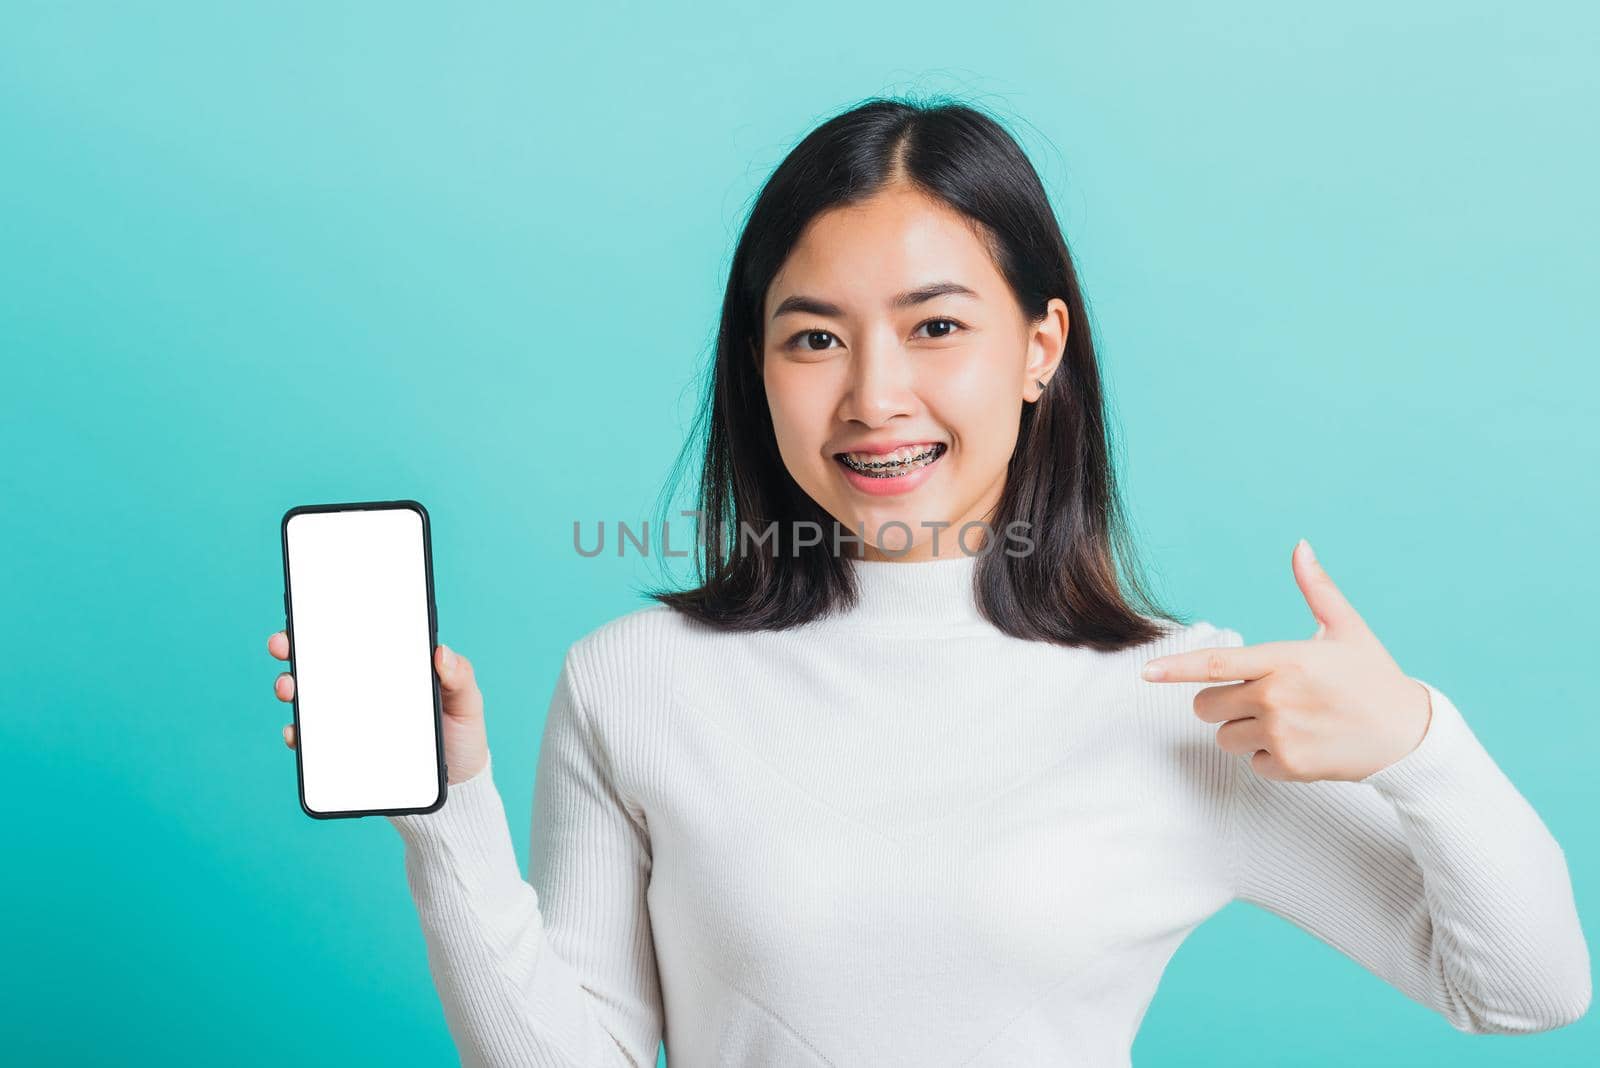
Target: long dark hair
(1060, 480)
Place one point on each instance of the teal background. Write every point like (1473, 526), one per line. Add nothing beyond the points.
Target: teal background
(1341, 264)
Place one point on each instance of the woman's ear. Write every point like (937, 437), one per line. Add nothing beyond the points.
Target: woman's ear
(1047, 344)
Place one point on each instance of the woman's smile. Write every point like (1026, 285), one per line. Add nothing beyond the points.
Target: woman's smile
(887, 474)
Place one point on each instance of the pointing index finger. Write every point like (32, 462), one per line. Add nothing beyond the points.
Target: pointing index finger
(1218, 664)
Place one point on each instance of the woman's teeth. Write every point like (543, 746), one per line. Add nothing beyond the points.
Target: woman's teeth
(892, 464)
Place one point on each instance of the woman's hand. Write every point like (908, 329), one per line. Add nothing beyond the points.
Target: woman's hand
(466, 742)
(1336, 706)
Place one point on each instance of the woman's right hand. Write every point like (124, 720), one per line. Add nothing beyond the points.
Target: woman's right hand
(466, 741)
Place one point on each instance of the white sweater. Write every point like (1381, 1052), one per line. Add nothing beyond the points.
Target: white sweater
(901, 837)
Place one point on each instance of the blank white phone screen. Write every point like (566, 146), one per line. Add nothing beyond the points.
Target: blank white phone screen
(363, 659)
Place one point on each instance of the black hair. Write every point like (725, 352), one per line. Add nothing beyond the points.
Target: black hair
(1060, 480)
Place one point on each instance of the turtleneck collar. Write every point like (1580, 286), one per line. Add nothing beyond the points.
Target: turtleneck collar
(922, 592)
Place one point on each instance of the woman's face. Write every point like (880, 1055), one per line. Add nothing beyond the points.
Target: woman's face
(889, 325)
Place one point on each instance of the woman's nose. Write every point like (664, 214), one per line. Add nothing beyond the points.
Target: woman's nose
(880, 384)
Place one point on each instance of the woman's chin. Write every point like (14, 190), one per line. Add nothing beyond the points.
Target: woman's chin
(889, 530)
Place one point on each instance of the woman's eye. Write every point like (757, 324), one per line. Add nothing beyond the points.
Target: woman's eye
(803, 338)
(947, 322)
(818, 340)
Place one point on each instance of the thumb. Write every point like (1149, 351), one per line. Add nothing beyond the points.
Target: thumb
(458, 684)
(1334, 615)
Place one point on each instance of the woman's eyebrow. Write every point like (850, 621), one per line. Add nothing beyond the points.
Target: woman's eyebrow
(911, 297)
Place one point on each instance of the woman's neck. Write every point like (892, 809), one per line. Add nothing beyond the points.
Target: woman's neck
(927, 592)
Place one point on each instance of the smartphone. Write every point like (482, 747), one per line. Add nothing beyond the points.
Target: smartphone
(359, 612)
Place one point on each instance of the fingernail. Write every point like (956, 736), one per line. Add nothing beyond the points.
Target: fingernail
(1311, 556)
(1153, 672)
(447, 657)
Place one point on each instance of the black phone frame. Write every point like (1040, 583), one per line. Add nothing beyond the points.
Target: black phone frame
(433, 641)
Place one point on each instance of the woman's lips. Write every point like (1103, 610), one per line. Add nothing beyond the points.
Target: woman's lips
(883, 449)
(895, 485)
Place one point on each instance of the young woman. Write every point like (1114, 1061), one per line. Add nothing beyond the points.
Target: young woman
(902, 794)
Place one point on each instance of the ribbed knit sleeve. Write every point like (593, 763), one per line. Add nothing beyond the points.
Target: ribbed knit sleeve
(1434, 873)
(559, 971)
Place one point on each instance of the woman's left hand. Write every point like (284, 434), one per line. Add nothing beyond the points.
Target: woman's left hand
(1335, 706)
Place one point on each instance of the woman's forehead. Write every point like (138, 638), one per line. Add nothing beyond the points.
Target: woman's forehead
(865, 257)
